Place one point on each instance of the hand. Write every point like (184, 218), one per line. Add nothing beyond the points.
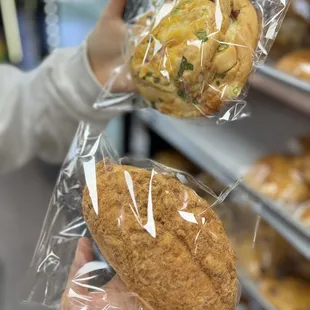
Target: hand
(106, 46)
(77, 296)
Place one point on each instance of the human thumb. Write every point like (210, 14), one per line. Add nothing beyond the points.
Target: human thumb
(115, 9)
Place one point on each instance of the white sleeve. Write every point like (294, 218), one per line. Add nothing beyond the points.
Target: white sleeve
(40, 110)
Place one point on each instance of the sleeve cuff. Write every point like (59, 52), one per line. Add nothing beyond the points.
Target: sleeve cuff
(87, 89)
(78, 69)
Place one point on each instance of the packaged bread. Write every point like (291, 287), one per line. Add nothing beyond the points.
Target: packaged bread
(294, 32)
(287, 293)
(296, 63)
(261, 252)
(279, 177)
(250, 258)
(162, 239)
(284, 259)
(266, 253)
(196, 56)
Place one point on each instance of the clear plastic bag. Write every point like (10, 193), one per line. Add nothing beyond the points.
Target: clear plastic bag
(284, 180)
(193, 58)
(281, 177)
(167, 247)
(280, 273)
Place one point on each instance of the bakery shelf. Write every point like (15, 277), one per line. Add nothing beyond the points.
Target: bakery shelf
(294, 232)
(250, 289)
(228, 150)
(284, 87)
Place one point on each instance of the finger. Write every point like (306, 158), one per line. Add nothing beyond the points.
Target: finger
(74, 292)
(83, 255)
(123, 82)
(116, 283)
(115, 8)
(120, 297)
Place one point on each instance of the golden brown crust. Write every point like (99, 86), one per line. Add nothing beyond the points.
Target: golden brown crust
(279, 177)
(187, 265)
(303, 215)
(271, 255)
(197, 58)
(287, 294)
(265, 255)
(249, 258)
(297, 64)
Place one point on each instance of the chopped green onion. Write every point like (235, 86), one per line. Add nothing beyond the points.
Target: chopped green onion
(237, 91)
(175, 10)
(202, 35)
(222, 47)
(185, 66)
(182, 94)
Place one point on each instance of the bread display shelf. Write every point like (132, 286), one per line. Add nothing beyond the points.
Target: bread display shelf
(284, 87)
(293, 231)
(249, 288)
(227, 151)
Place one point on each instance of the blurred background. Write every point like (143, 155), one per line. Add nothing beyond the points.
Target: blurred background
(269, 147)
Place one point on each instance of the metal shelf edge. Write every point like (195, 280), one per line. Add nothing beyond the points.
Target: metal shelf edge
(289, 230)
(251, 289)
(288, 89)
